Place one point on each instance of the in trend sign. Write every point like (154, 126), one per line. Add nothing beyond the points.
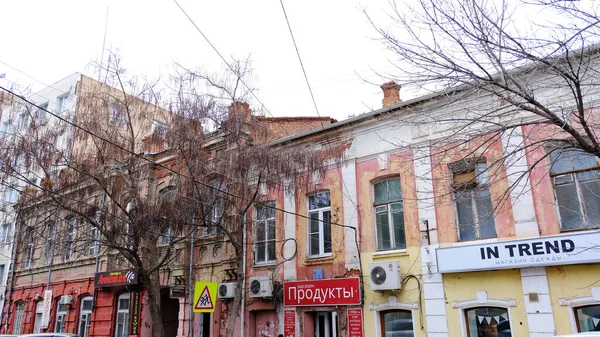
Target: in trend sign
(205, 295)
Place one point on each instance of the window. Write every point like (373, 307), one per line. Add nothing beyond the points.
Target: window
(166, 233)
(61, 315)
(19, 314)
(487, 321)
(29, 247)
(41, 114)
(50, 242)
(11, 194)
(265, 233)
(61, 103)
(85, 316)
(389, 215)
(319, 224)
(118, 114)
(2, 268)
(218, 206)
(5, 233)
(122, 319)
(5, 128)
(23, 119)
(168, 198)
(94, 247)
(70, 237)
(396, 323)
(39, 312)
(473, 202)
(588, 318)
(577, 188)
(159, 128)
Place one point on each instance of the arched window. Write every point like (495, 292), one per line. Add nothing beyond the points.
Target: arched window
(19, 314)
(487, 322)
(122, 318)
(39, 312)
(396, 323)
(85, 316)
(61, 315)
(389, 215)
(588, 318)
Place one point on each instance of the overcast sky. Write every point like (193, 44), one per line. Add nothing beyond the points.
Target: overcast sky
(48, 40)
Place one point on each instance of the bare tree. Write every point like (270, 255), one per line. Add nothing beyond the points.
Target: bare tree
(522, 75)
(135, 178)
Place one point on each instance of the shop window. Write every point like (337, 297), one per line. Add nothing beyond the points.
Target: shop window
(389, 215)
(396, 323)
(472, 199)
(19, 314)
(50, 242)
(487, 322)
(576, 179)
(29, 247)
(61, 316)
(319, 224)
(70, 238)
(265, 233)
(122, 319)
(588, 318)
(85, 316)
(39, 312)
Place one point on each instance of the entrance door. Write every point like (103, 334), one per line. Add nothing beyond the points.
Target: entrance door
(170, 313)
(326, 324)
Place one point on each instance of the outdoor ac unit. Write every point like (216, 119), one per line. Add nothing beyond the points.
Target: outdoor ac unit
(385, 275)
(66, 299)
(226, 290)
(261, 286)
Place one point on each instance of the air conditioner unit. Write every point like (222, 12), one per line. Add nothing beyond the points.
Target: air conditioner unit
(385, 275)
(66, 299)
(261, 286)
(226, 290)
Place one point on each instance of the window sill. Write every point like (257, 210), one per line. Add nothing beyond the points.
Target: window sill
(314, 260)
(264, 264)
(388, 253)
(474, 242)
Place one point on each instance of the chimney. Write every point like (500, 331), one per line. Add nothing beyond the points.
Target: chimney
(391, 93)
(239, 109)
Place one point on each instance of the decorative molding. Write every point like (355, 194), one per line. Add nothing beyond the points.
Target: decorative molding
(582, 300)
(487, 302)
(393, 303)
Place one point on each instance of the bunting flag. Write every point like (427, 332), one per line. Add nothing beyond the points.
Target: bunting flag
(504, 315)
(595, 320)
(497, 318)
(480, 318)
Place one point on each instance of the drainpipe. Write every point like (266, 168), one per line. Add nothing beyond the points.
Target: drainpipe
(191, 281)
(14, 246)
(243, 307)
(52, 252)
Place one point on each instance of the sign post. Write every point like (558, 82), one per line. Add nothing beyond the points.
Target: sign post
(205, 296)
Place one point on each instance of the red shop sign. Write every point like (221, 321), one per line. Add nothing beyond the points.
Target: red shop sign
(342, 291)
(355, 323)
(289, 323)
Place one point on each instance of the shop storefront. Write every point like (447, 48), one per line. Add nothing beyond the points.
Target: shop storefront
(540, 286)
(118, 304)
(325, 308)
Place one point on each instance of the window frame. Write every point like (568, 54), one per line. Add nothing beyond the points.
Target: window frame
(125, 312)
(37, 320)
(576, 316)
(70, 237)
(575, 181)
(50, 242)
(61, 103)
(88, 317)
(381, 314)
(321, 230)
(60, 316)
(465, 317)
(389, 211)
(30, 250)
(5, 231)
(471, 188)
(266, 209)
(19, 316)
(217, 209)
(117, 114)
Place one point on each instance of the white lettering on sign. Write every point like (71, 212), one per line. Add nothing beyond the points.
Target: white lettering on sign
(342, 291)
(538, 252)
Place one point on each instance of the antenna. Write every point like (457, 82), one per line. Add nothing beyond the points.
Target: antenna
(103, 43)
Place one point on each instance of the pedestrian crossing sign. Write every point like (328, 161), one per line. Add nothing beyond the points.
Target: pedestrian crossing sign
(205, 296)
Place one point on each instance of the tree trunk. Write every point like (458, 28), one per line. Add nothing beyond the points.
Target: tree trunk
(152, 285)
(237, 300)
